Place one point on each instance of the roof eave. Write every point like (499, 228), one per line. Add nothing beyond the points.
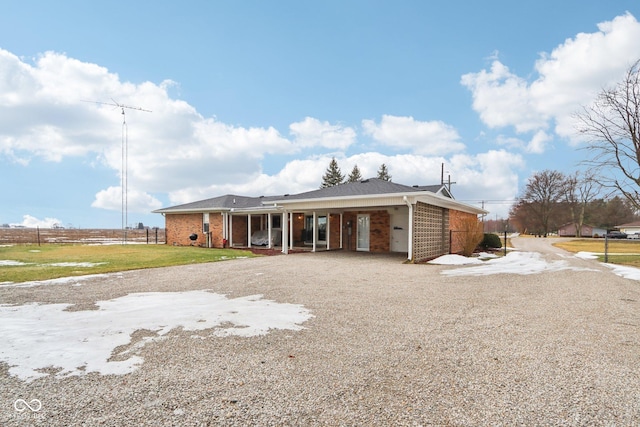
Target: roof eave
(356, 197)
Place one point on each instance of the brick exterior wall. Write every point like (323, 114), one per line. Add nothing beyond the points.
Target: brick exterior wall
(334, 231)
(239, 234)
(379, 231)
(430, 232)
(458, 232)
(215, 230)
(181, 226)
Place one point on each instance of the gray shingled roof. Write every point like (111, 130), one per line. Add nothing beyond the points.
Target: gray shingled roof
(228, 201)
(359, 188)
(365, 187)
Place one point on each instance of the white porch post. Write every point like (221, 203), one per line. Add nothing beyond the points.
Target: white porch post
(222, 216)
(224, 225)
(291, 230)
(285, 233)
(410, 242)
(230, 229)
(315, 231)
(269, 229)
(249, 230)
(341, 218)
(328, 236)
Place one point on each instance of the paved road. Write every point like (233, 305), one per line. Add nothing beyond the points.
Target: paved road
(539, 244)
(546, 247)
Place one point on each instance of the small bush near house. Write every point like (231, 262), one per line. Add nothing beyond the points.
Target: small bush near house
(491, 241)
(468, 236)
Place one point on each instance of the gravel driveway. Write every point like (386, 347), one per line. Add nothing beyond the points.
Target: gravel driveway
(388, 344)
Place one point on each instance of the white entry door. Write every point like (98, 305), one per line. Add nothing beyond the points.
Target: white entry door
(400, 230)
(363, 233)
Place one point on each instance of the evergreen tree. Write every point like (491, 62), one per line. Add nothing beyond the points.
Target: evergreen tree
(383, 173)
(333, 176)
(355, 175)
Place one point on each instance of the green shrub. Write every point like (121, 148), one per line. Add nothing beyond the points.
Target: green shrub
(491, 241)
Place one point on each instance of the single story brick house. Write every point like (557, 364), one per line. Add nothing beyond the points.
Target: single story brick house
(569, 230)
(370, 215)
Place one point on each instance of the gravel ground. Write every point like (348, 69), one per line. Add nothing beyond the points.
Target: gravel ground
(389, 344)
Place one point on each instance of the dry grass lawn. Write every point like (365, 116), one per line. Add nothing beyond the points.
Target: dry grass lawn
(625, 252)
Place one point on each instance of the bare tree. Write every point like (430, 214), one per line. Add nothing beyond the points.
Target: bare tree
(612, 126)
(580, 189)
(541, 196)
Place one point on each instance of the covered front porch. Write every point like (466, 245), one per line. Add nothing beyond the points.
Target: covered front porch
(374, 229)
(290, 231)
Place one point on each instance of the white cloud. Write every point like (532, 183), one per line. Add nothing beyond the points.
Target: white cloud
(502, 99)
(30, 221)
(537, 144)
(137, 201)
(175, 151)
(567, 78)
(429, 138)
(42, 114)
(313, 133)
(491, 176)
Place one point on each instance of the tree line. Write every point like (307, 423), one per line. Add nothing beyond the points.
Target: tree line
(333, 175)
(552, 199)
(609, 193)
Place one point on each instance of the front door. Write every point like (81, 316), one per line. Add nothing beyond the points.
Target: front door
(363, 232)
(400, 230)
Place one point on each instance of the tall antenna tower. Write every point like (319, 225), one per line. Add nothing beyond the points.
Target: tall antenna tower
(124, 179)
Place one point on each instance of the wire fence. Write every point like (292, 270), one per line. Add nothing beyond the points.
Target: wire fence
(39, 236)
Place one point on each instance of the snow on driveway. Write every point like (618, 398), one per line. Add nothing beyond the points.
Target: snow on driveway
(512, 263)
(36, 336)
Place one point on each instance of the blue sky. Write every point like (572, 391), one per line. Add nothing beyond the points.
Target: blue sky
(256, 97)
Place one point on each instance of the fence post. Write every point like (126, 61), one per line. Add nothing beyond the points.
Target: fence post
(505, 242)
(606, 248)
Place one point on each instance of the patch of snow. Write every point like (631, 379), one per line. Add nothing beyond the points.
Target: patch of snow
(10, 263)
(37, 336)
(72, 280)
(486, 255)
(586, 255)
(454, 259)
(625, 271)
(515, 263)
(75, 264)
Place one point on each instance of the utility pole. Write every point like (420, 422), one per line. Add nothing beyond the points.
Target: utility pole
(442, 178)
(124, 179)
